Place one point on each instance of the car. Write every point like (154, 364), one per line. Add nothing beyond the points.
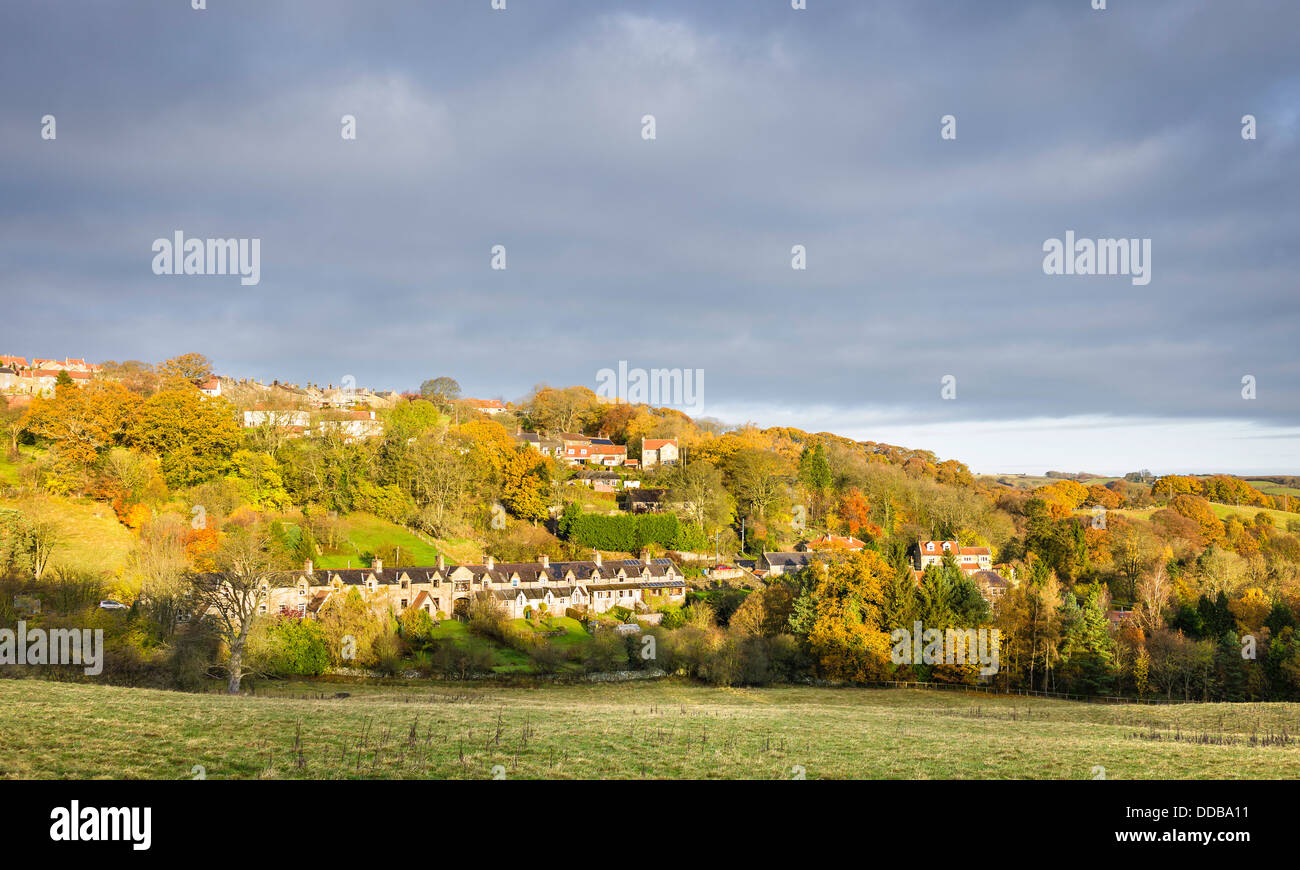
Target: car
(110, 604)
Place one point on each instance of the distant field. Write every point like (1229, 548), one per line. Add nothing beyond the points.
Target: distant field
(1274, 488)
(1280, 518)
(1222, 511)
(1030, 481)
(661, 729)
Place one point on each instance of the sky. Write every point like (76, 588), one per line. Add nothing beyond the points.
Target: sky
(773, 127)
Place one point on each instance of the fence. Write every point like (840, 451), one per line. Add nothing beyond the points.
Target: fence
(1027, 693)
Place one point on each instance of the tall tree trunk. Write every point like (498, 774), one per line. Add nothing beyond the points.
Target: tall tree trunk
(236, 667)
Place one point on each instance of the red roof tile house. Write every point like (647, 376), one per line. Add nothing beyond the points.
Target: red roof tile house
(610, 455)
(970, 559)
(487, 406)
(835, 542)
(211, 387)
(658, 451)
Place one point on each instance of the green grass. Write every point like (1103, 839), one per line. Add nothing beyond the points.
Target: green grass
(366, 533)
(1222, 511)
(1280, 518)
(505, 659)
(574, 633)
(660, 729)
(1272, 488)
(90, 537)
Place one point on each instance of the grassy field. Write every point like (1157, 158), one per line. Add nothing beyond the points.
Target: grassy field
(90, 537)
(1272, 488)
(662, 729)
(1280, 518)
(1222, 511)
(365, 533)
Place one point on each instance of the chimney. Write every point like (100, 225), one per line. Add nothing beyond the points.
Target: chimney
(378, 565)
(442, 564)
(645, 555)
(491, 563)
(545, 560)
(306, 566)
(597, 558)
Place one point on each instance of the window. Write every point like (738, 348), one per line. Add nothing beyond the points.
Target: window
(514, 581)
(403, 603)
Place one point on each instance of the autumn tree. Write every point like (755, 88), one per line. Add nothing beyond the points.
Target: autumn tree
(186, 367)
(1029, 616)
(699, 488)
(760, 481)
(565, 410)
(838, 615)
(81, 424)
(157, 571)
(239, 590)
(192, 436)
(13, 423)
(440, 391)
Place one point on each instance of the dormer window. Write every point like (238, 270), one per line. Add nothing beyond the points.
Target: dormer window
(370, 585)
(929, 546)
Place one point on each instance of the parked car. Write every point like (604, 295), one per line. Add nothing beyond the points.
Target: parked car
(110, 604)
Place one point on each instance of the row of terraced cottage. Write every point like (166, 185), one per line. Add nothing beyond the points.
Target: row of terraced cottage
(520, 587)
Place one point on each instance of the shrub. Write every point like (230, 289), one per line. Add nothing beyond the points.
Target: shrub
(626, 533)
(416, 626)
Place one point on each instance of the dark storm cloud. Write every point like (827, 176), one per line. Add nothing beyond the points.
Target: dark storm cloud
(775, 128)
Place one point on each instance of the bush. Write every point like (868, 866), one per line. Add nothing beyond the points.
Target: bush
(456, 662)
(388, 502)
(625, 533)
(606, 652)
(487, 618)
(416, 626)
(297, 647)
(674, 616)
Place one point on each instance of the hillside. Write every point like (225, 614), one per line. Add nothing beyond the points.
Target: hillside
(90, 537)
